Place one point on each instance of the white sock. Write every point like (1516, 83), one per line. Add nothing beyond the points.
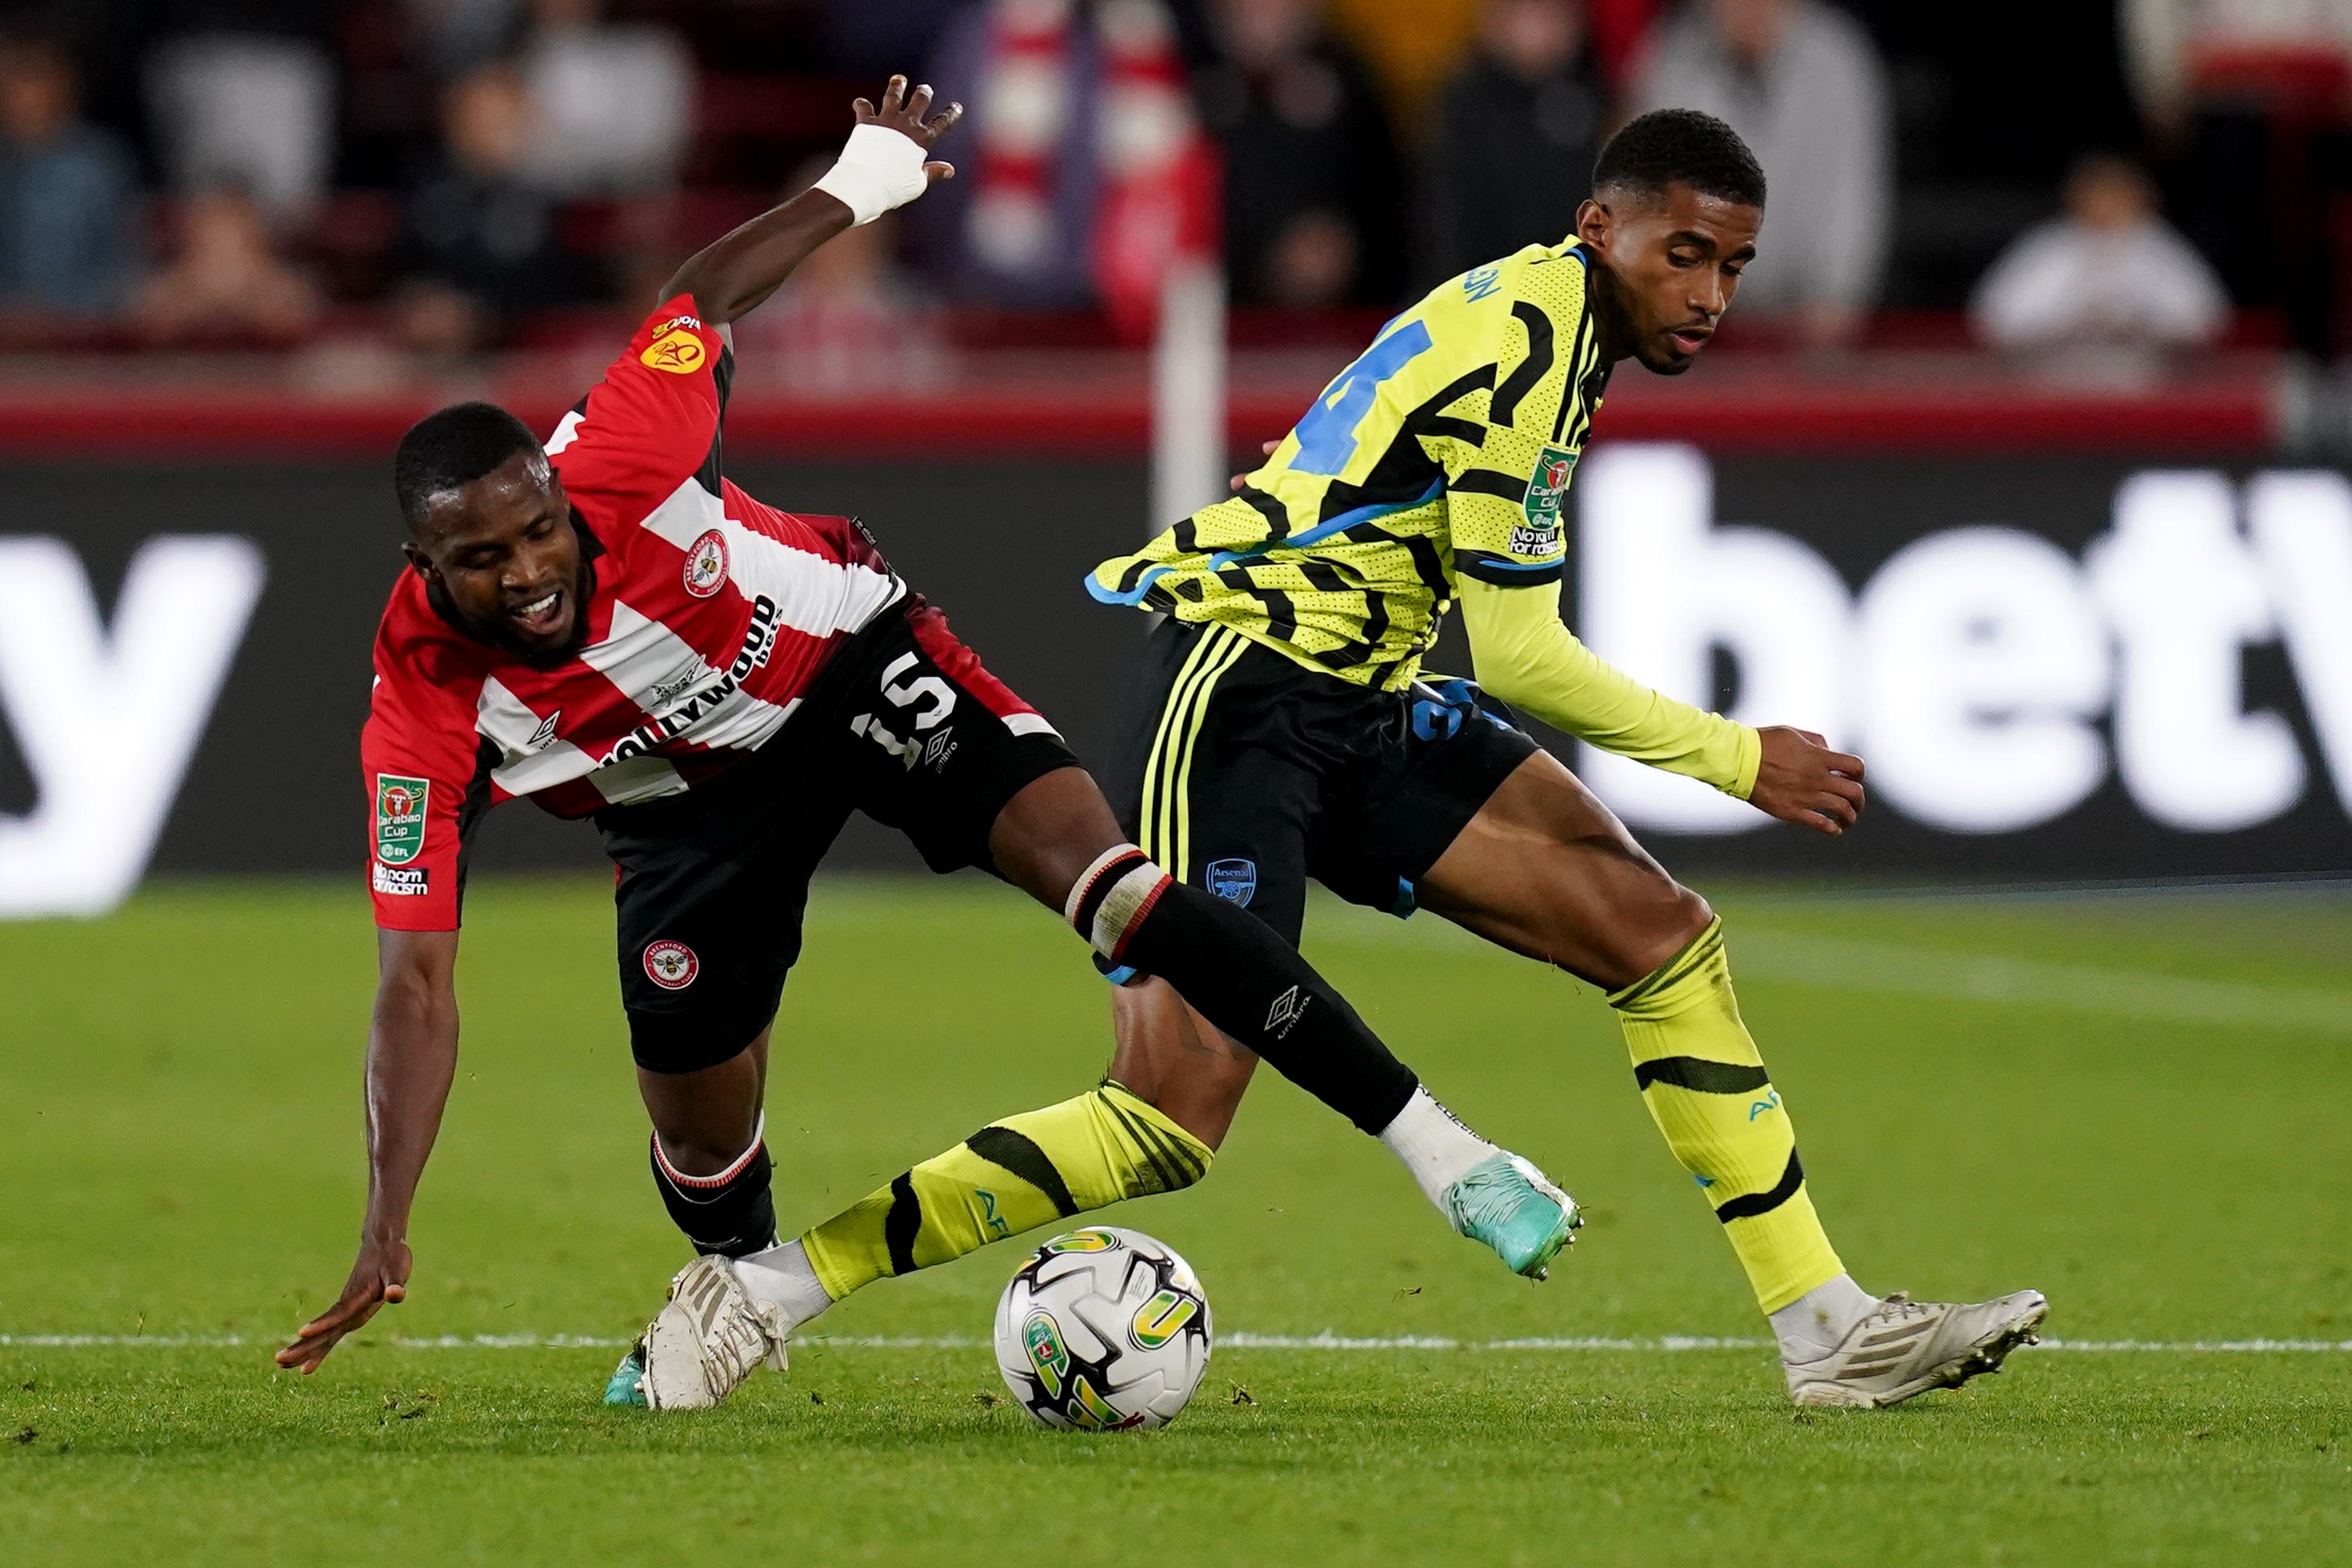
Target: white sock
(1817, 1322)
(782, 1278)
(1438, 1150)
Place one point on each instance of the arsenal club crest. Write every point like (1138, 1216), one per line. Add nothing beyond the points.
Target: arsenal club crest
(706, 564)
(670, 965)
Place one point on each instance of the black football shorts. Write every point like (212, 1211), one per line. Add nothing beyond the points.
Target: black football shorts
(1243, 772)
(905, 724)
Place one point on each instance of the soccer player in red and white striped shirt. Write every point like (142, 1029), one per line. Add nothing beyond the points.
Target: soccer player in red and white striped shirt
(607, 625)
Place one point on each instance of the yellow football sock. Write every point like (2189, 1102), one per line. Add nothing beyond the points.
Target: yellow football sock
(1009, 1177)
(1706, 1087)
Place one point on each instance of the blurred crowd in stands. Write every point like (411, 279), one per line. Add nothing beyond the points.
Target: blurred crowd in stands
(441, 176)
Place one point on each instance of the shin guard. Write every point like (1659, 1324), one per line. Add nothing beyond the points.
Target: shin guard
(1242, 977)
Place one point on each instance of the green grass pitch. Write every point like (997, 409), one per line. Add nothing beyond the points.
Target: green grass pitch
(2137, 1105)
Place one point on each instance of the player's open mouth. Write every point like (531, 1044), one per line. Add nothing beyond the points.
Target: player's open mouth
(1691, 340)
(540, 617)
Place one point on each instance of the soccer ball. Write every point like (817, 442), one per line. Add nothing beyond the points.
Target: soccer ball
(1103, 1329)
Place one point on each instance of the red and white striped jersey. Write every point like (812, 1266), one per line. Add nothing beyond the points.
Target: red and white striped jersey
(710, 616)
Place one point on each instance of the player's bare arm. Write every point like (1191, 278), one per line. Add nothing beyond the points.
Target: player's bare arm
(412, 1058)
(883, 166)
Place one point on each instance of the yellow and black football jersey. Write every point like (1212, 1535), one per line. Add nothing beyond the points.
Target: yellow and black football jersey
(1445, 448)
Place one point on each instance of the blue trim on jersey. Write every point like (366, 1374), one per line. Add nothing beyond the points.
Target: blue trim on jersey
(1496, 563)
(1123, 975)
(1133, 596)
(1323, 530)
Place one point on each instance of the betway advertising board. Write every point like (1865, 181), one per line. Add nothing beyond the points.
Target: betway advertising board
(2055, 669)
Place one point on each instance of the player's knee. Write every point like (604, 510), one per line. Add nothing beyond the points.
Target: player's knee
(1653, 920)
(1679, 916)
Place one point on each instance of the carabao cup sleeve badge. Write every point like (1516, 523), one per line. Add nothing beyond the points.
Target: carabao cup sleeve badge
(1547, 485)
(399, 818)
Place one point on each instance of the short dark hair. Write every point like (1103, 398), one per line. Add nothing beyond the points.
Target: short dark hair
(453, 447)
(1680, 147)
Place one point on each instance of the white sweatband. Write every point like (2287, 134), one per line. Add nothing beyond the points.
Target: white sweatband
(880, 169)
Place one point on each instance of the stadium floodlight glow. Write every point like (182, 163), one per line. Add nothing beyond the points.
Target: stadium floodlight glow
(108, 716)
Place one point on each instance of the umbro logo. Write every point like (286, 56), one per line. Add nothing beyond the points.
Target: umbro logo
(545, 733)
(1288, 1009)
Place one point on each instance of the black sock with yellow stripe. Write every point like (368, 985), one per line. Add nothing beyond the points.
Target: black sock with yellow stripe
(1009, 1177)
(1704, 1084)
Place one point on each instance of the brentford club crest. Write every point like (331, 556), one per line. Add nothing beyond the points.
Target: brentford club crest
(672, 966)
(706, 564)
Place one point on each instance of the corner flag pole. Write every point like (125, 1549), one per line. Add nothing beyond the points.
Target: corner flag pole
(1188, 390)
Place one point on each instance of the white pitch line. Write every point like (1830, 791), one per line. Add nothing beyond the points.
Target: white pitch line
(1653, 1344)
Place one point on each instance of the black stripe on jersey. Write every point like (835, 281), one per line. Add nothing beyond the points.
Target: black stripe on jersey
(1532, 369)
(1322, 575)
(1376, 620)
(1282, 618)
(1468, 430)
(1427, 564)
(722, 379)
(1504, 572)
(1584, 347)
(1276, 515)
(1405, 471)
(1134, 574)
(476, 801)
(1486, 482)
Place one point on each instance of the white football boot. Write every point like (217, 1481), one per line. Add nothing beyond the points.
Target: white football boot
(1904, 1347)
(708, 1340)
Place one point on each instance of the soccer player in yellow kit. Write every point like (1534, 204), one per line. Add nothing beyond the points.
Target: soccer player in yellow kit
(1282, 731)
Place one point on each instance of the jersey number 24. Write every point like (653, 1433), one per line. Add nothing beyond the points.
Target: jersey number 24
(1326, 436)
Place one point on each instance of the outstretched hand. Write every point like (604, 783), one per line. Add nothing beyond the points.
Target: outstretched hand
(1801, 781)
(903, 111)
(379, 1279)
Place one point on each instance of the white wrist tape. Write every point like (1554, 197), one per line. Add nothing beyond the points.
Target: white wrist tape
(880, 169)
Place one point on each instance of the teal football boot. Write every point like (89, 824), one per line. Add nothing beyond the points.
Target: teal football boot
(628, 1384)
(1508, 1204)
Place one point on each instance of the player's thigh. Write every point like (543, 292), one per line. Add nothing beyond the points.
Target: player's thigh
(708, 896)
(938, 748)
(1547, 870)
(1219, 784)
